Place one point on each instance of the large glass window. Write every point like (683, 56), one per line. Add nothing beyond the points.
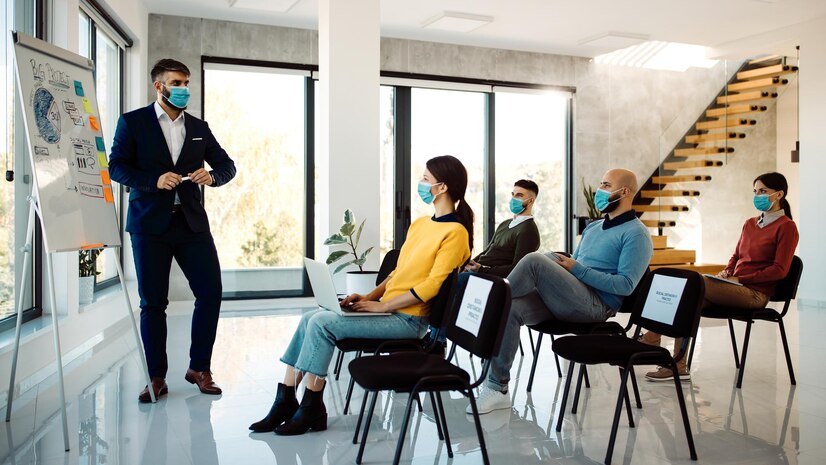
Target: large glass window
(95, 43)
(390, 201)
(258, 220)
(531, 143)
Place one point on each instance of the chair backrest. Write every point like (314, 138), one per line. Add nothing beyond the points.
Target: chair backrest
(786, 288)
(388, 264)
(628, 302)
(478, 313)
(669, 302)
(440, 303)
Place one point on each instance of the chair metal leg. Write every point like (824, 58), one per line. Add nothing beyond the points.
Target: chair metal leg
(521, 350)
(786, 350)
(419, 403)
(452, 352)
(478, 428)
(689, 437)
(636, 388)
(530, 338)
(444, 423)
(400, 445)
(743, 355)
(561, 411)
(349, 395)
(691, 352)
(617, 412)
(535, 360)
(628, 402)
(361, 417)
(367, 425)
(578, 387)
(556, 359)
(337, 366)
(438, 417)
(734, 344)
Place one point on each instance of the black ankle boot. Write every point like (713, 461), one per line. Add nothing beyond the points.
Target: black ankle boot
(311, 415)
(282, 410)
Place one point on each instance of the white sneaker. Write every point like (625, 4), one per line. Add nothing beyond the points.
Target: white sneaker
(490, 400)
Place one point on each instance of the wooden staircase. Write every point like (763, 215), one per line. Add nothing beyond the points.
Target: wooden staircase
(706, 146)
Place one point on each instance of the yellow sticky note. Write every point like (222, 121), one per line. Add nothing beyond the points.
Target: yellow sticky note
(93, 122)
(104, 162)
(87, 105)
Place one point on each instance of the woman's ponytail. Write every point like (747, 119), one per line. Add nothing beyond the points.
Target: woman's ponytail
(465, 215)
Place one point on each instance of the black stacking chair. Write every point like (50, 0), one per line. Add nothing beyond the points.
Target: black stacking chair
(415, 372)
(656, 308)
(786, 292)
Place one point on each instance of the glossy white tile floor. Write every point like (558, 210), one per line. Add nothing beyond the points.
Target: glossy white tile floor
(766, 422)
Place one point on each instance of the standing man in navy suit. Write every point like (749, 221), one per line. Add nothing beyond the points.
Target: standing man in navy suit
(159, 152)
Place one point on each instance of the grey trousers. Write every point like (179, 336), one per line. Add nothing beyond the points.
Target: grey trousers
(542, 290)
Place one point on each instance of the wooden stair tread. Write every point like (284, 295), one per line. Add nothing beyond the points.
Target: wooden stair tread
(660, 242)
(673, 257)
(654, 208)
(713, 137)
(679, 165)
(758, 84)
(659, 223)
(680, 178)
(735, 110)
(653, 194)
(746, 97)
(725, 123)
(709, 268)
(764, 59)
(767, 71)
(702, 151)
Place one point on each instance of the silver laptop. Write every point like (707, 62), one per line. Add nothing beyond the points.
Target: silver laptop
(325, 292)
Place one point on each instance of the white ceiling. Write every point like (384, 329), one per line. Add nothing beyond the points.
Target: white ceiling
(550, 26)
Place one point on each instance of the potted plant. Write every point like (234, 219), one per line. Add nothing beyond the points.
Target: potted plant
(360, 281)
(87, 270)
(593, 211)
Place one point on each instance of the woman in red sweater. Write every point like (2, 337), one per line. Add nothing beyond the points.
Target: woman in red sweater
(762, 258)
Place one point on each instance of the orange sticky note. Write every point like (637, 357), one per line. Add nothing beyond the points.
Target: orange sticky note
(93, 122)
(104, 176)
(107, 195)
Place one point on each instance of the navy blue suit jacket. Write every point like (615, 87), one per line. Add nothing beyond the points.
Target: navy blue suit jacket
(140, 156)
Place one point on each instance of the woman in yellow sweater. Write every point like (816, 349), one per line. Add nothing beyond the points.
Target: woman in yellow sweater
(434, 247)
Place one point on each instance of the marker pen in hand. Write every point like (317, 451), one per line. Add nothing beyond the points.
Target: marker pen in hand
(185, 178)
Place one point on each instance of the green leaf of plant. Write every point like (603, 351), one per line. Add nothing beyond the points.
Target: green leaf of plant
(347, 229)
(348, 216)
(364, 255)
(359, 262)
(335, 255)
(358, 235)
(344, 265)
(335, 239)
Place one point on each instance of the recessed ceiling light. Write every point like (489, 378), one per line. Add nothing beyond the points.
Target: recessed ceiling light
(277, 6)
(456, 22)
(614, 40)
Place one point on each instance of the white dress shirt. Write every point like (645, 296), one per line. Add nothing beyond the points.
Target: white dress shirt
(519, 219)
(174, 132)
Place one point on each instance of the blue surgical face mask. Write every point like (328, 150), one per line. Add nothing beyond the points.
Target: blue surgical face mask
(602, 200)
(516, 206)
(762, 202)
(178, 97)
(424, 191)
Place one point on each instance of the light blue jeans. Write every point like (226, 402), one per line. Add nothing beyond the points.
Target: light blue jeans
(542, 290)
(314, 341)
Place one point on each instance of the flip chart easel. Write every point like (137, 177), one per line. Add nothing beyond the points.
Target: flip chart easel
(72, 194)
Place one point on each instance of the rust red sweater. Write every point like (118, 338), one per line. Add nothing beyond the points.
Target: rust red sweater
(763, 256)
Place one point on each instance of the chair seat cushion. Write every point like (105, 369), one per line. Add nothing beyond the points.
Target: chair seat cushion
(743, 314)
(370, 345)
(616, 350)
(557, 327)
(401, 371)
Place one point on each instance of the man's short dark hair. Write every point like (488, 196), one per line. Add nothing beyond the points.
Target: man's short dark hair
(527, 184)
(167, 64)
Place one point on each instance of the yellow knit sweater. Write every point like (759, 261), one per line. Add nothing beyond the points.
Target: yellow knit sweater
(431, 251)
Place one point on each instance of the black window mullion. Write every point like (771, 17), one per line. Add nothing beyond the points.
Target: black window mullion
(402, 191)
(490, 168)
(570, 212)
(309, 176)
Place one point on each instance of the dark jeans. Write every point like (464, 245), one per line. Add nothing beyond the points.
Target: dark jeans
(197, 257)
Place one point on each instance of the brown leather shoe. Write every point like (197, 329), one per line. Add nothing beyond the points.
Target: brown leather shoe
(204, 381)
(160, 388)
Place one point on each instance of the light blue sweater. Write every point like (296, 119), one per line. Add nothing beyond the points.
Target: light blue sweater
(612, 261)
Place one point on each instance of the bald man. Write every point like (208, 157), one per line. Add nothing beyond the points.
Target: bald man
(606, 266)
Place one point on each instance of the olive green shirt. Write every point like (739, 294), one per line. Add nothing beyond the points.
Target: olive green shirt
(508, 246)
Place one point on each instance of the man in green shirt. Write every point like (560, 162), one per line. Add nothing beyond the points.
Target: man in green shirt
(514, 238)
